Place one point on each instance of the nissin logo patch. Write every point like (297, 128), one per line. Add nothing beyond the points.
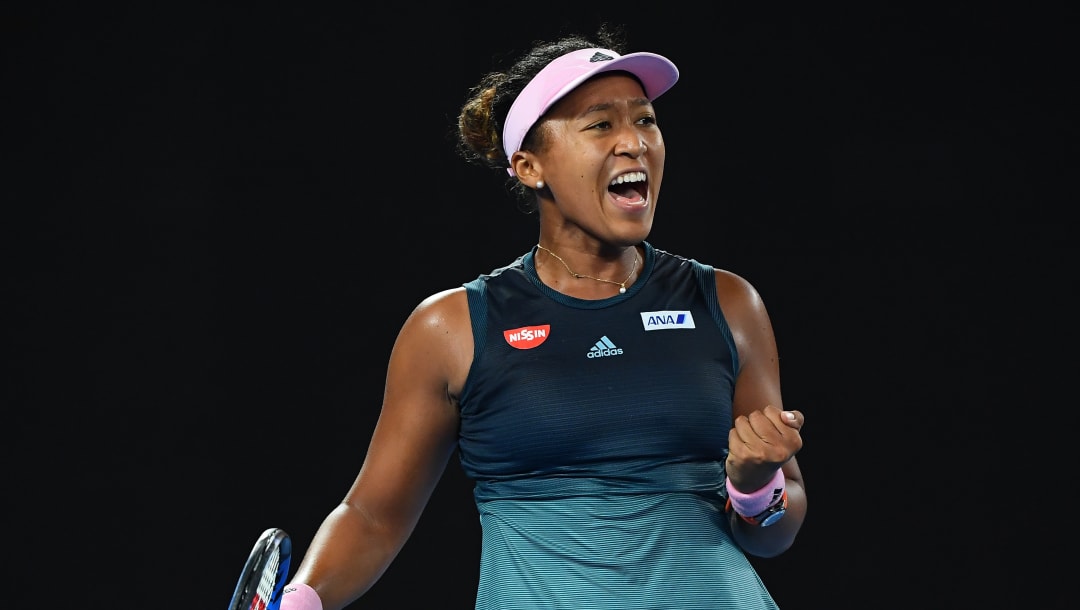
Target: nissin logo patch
(665, 320)
(527, 337)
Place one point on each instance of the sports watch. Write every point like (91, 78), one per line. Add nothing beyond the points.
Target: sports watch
(767, 517)
(770, 515)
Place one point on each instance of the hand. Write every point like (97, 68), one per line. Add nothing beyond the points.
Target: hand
(760, 443)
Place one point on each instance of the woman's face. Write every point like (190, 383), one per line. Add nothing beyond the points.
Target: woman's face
(603, 159)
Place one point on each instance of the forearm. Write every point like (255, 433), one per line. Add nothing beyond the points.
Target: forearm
(776, 538)
(346, 557)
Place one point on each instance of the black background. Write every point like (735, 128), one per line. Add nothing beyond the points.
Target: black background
(219, 216)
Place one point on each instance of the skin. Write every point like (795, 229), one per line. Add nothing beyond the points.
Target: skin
(604, 128)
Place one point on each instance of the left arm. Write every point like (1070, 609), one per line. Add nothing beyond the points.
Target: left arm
(764, 436)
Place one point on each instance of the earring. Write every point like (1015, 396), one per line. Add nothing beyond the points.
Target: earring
(539, 184)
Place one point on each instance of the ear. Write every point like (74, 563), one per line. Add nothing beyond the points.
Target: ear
(526, 167)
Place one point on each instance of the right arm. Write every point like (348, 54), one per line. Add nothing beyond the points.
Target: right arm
(412, 442)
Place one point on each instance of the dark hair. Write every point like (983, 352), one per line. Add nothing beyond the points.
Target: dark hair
(480, 121)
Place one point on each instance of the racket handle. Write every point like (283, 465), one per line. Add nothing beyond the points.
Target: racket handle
(299, 596)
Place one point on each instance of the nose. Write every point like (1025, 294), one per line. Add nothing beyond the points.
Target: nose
(630, 143)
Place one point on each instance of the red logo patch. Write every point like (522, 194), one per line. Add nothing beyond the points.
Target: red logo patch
(527, 337)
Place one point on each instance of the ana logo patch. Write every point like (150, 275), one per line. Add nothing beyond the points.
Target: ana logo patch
(527, 337)
(664, 320)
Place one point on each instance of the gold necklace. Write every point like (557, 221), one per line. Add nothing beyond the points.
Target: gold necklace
(621, 285)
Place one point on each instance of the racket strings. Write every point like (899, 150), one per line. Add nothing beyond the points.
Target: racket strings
(267, 581)
(262, 581)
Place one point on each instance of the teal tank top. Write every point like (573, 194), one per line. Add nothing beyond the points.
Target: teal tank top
(595, 433)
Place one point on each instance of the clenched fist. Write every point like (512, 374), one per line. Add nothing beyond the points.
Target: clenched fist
(760, 443)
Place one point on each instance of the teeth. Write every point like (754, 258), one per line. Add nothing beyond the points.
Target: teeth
(631, 177)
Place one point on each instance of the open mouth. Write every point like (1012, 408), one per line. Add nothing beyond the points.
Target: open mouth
(632, 187)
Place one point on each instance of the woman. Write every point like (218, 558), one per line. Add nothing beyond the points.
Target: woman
(617, 406)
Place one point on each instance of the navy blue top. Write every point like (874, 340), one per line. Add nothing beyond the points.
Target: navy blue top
(596, 432)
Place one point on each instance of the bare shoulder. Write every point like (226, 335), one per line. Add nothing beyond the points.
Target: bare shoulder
(746, 317)
(737, 295)
(442, 305)
(438, 337)
(441, 316)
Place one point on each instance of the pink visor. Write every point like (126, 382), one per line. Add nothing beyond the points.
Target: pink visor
(656, 73)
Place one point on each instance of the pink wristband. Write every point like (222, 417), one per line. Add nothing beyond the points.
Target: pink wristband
(299, 596)
(751, 504)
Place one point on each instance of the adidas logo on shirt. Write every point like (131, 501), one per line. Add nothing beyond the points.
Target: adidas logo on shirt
(604, 347)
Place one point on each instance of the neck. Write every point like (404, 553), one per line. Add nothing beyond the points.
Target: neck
(582, 276)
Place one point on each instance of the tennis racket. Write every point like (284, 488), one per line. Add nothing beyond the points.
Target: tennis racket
(262, 582)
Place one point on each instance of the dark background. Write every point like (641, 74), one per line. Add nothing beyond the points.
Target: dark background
(219, 216)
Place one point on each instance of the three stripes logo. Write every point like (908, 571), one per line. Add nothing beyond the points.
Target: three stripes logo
(604, 347)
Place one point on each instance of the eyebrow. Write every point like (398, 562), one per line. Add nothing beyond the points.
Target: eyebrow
(636, 102)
